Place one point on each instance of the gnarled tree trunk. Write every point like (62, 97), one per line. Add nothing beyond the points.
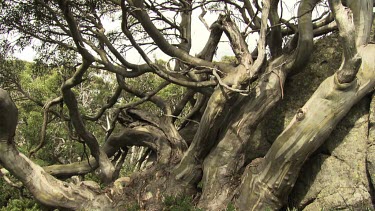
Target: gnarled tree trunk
(228, 153)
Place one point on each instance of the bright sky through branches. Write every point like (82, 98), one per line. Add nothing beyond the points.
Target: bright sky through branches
(200, 35)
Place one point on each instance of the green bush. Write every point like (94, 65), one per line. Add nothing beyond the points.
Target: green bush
(21, 204)
(179, 203)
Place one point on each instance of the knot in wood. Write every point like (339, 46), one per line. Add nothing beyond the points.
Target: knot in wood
(256, 161)
(300, 114)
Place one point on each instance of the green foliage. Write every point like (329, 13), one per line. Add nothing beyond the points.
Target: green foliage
(229, 59)
(127, 169)
(15, 199)
(200, 185)
(179, 203)
(133, 207)
(10, 71)
(43, 83)
(21, 204)
(7, 193)
(149, 82)
(31, 129)
(34, 84)
(129, 207)
(230, 207)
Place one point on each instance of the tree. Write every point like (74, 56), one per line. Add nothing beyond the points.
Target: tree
(206, 138)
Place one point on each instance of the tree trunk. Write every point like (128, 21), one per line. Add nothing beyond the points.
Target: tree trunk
(236, 153)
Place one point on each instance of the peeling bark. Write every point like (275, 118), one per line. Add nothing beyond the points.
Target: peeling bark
(221, 151)
(269, 185)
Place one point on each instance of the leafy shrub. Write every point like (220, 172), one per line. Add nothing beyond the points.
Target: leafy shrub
(21, 204)
(179, 203)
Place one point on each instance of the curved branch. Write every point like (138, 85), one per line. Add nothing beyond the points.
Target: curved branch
(71, 102)
(139, 12)
(305, 35)
(146, 136)
(173, 77)
(236, 142)
(73, 26)
(217, 111)
(158, 101)
(43, 186)
(275, 38)
(237, 41)
(137, 70)
(351, 34)
(3, 174)
(269, 184)
(111, 102)
(45, 122)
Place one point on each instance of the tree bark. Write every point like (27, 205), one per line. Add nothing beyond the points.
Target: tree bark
(45, 188)
(268, 185)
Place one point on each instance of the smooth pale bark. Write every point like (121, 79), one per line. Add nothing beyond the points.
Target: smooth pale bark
(362, 13)
(224, 130)
(268, 185)
(236, 145)
(222, 165)
(221, 102)
(47, 189)
(205, 137)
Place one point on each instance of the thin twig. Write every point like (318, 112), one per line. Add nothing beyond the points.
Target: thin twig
(191, 120)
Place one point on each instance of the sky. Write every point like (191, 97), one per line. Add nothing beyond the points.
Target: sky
(200, 35)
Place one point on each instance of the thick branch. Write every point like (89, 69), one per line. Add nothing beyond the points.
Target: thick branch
(71, 102)
(209, 50)
(275, 39)
(237, 144)
(345, 21)
(218, 110)
(140, 13)
(268, 185)
(8, 117)
(146, 136)
(237, 41)
(74, 29)
(43, 186)
(305, 35)
(362, 17)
